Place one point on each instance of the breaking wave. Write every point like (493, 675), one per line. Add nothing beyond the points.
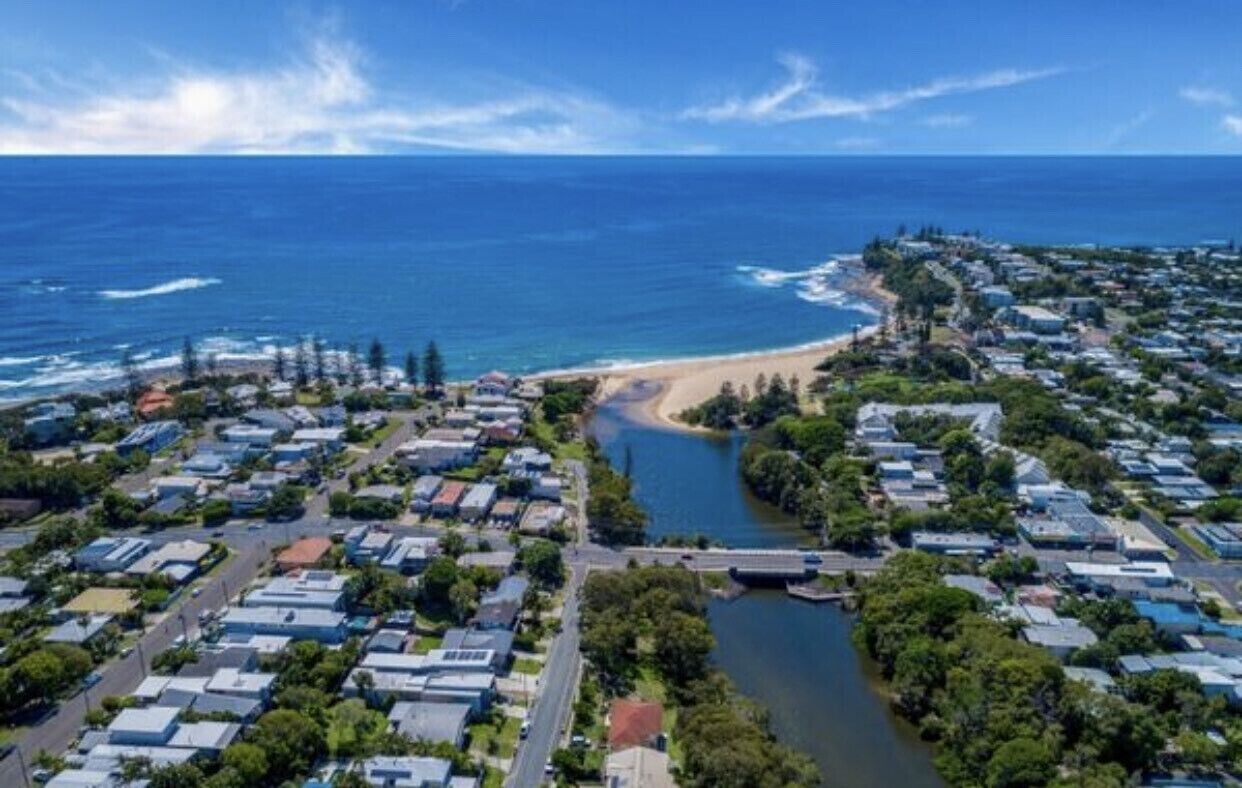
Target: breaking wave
(175, 286)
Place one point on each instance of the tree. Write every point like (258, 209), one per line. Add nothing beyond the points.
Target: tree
(216, 512)
(317, 353)
(286, 502)
(189, 360)
(291, 741)
(339, 503)
(354, 365)
(433, 368)
(175, 775)
(129, 369)
(438, 578)
(248, 760)
(463, 597)
(278, 363)
(117, 510)
(301, 375)
(376, 360)
(542, 560)
(411, 369)
(1020, 763)
(453, 544)
(682, 645)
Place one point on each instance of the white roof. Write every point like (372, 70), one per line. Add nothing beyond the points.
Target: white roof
(152, 719)
(1141, 569)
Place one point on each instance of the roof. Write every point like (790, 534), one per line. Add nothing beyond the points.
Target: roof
(308, 550)
(74, 632)
(632, 723)
(432, 722)
(152, 719)
(639, 767)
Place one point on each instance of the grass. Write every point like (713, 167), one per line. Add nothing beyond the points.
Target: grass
(650, 687)
(561, 450)
(528, 666)
(715, 580)
(427, 643)
(10, 733)
(493, 778)
(307, 398)
(382, 434)
(1195, 543)
(504, 734)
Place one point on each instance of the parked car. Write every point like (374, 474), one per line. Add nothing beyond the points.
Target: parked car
(91, 679)
(525, 731)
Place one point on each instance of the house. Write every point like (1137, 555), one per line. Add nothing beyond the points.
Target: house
(243, 394)
(281, 422)
(366, 546)
(1061, 639)
(506, 511)
(50, 422)
(541, 517)
(294, 452)
(79, 631)
(447, 500)
(111, 553)
(179, 560)
(477, 502)
(325, 626)
(638, 767)
(150, 438)
(249, 434)
(168, 486)
(1034, 318)
(13, 594)
(305, 553)
(546, 486)
(526, 458)
(1094, 575)
(996, 297)
(407, 772)
(330, 440)
(431, 722)
(497, 641)
(493, 384)
(633, 723)
(308, 589)
(387, 641)
(207, 466)
(953, 543)
(242, 684)
(1092, 677)
(423, 491)
(429, 455)
(411, 554)
(1225, 539)
(496, 615)
(473, 689)
(152, 402)
(981, 587)
(500, 560)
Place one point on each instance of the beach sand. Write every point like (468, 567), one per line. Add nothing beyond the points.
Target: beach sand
(679, 385)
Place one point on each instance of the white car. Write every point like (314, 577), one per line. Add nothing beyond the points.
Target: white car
(197, 590)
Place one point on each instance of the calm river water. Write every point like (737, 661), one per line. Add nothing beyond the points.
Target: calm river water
(793, 657)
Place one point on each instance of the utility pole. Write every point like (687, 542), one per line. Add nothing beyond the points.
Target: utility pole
(142, 659)
(21, 759)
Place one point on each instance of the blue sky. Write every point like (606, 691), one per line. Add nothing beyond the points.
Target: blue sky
(641, 76)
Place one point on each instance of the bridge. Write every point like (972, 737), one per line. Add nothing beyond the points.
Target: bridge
(755, 565)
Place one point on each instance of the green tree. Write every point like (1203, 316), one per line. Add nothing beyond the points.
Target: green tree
(411, 369)
(453, 544)
(301, 373)
(1021, 763)
(376, 360)
(683, 644)
(291, 741)
(438, 578)
(189, 360)
(248, 760)
(543, 562)
(433, 368)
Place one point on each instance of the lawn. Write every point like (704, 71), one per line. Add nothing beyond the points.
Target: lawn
(573, 450)
(528, 666)
(426, 643)
(382, 434)
(500, 740)
(1194, 543)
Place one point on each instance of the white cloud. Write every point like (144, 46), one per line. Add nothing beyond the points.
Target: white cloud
(1206, 96)
(1119, 133)
(797, 97)
(1233, 124)
(947, 120)
(318, 102)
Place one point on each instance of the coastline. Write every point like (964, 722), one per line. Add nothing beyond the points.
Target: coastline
(682, 383)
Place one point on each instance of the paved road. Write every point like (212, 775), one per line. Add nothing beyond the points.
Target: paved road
(550, 715)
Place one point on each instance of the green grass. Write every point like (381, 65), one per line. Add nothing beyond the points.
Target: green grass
(1195, 543)
(427, 643)
(505, 735)
(572, 450)
(715, 580)
(382, 434)
(650, 687)
(308, 398)
(528, 666)
(493, 777)
(10, 733)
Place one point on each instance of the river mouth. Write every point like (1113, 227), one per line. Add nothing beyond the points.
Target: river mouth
(795, 658)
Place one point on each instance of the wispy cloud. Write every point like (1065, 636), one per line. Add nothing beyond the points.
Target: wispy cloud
(798, 97)
(1233, 124)
(319, 101)
(1119, 133)
(1206, 96)
(948, 120)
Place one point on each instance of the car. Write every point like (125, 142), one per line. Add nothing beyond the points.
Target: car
(579, 741)
(41, 775)
(254, 527)
(338, 535)
(197, 590)
(813, 558)
(549, 769)
(525, 731)
(125, 652)
(217, 534)
(91, 679)
(687, 556)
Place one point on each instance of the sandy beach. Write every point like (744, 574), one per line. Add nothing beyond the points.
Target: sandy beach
(683, 384)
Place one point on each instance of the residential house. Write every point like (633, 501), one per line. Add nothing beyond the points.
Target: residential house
(111, 553)
(305, 553)
(325, 626)
(633, 723)
(477, 502)
(150, 438)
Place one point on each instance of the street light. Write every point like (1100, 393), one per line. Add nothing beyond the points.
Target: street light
(142, 659)
(21, 759)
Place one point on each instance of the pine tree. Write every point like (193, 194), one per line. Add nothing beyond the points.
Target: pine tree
(433, 368)
(189, 360)
(317, 354)
(354, 366)
(411, 369)
(212, 364)
(300, 374)
(376, 361)
(133, 381)
(278, 363)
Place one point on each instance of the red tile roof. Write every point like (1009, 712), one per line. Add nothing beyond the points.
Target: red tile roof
(153, 401)
(450, 494)
(633, 723)
(305, 552)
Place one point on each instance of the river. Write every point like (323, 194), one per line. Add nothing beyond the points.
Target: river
(793, 657)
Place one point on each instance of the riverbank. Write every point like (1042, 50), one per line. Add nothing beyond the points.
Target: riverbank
(670, 387)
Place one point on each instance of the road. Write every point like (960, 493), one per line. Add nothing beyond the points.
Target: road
(557, 682)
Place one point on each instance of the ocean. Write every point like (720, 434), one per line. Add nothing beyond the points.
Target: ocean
(523, 264)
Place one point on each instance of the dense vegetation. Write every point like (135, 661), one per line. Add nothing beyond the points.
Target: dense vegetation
(653, 620)
(1002, 712)
(614, 516)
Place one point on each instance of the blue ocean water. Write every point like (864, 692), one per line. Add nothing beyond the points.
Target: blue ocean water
(520, 263)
